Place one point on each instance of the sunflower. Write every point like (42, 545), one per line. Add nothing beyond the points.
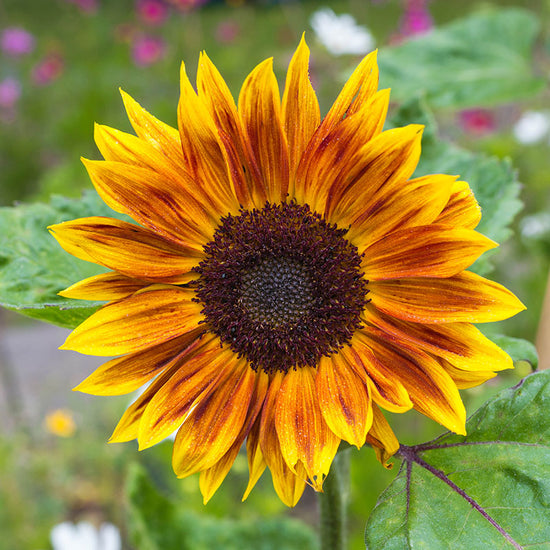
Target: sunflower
(285, 281)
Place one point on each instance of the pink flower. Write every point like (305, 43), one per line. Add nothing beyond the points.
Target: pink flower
(147, 50)
(478, 122)
(10, 92)
(16, 41)
(227, 31)
(152, 12)
(48, 69)
(416, 20)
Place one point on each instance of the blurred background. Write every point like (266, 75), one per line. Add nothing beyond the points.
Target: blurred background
(61, 64)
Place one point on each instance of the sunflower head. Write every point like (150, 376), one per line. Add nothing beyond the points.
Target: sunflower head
(285, 280)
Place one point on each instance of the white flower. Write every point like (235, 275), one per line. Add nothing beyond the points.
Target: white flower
(85, 536)
(340, 34)
(532, 127)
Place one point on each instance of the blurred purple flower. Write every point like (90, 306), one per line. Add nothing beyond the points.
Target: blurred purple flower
(147, 50)
(16, 41)
(48, 69)
(478, 122)
(416, 20)
(10, 92)
(152, 12)
(227, 31)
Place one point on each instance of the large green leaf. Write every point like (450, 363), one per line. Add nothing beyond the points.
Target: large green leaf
(490, 489)
(157, 523)
(483, 59)
(34, 268)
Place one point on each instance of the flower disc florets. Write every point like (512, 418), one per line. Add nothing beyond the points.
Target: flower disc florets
(281, 286)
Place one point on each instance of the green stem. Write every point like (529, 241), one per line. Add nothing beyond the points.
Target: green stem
(333, 504)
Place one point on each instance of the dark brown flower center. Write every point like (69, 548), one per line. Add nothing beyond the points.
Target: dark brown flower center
(281, 286)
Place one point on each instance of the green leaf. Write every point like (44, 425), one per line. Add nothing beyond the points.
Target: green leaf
(493, 181)
(157, 523)
(34, 268)
(490, 489)
(483, 59)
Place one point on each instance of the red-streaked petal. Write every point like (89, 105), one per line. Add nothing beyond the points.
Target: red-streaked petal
(430, 388)
(260, 111)
(256, 461)
(384, 163)
(214, 420)
(303, 433)
(300, 109)
(129, 249)
(107, 286)
(128, 373)
(289, 485)
(153, 201)
(382, 438)
(465, 297)
(462, 344)
(142, 320)
(462, 210)
(344, 400)
(424, 251)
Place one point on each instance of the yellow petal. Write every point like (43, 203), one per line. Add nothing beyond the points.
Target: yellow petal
(138, 322)
(304, 435)
(424, 251)
(260, 111)
(462, 210)
(107, 286)
(466, 378)
(129, 249)
(465, 297)
(256, 461)
(344, 400)
(382, 438)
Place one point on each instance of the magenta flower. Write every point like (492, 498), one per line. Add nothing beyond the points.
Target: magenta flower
(10, 92)
(152, 12)
(48, 69)
(227, 31)
(16, 41)
(147, 50)
(478, 122)
(416, 20)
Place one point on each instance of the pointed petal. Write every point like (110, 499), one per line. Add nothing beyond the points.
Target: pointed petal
(129, 249)
(462, 210)
(107, 286)
(466, 378)
(408, 204)
(430, 388)
(153, 201)
(461, 344)
(126, 374)
(300, 109)
(142, 320)
(424, 251)
(256, 461)
(202, 148)
(382, 438)
(215, 420)
(344, 400)
(289, 485)
(303, 434)
(463, 297)
(260, 111)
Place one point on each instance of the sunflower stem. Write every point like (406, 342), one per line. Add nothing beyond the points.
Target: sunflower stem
(333, 504)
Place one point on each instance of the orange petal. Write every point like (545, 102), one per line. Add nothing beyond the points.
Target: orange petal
(430, 388)
(344, 400)
(107, 286)
(462, 210)
(382, 438)
(461, 344)
(289, 485)
(256, 461)
(203, 151)
(384, 163)
(466, 378)
(138, 322)
(216, 96)
(129, 249)
(157, 203)
(126, 374)
(215, 420)
(424, 251)
(260, 111)
(463, 297)
(303, 434)
(300, 108)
